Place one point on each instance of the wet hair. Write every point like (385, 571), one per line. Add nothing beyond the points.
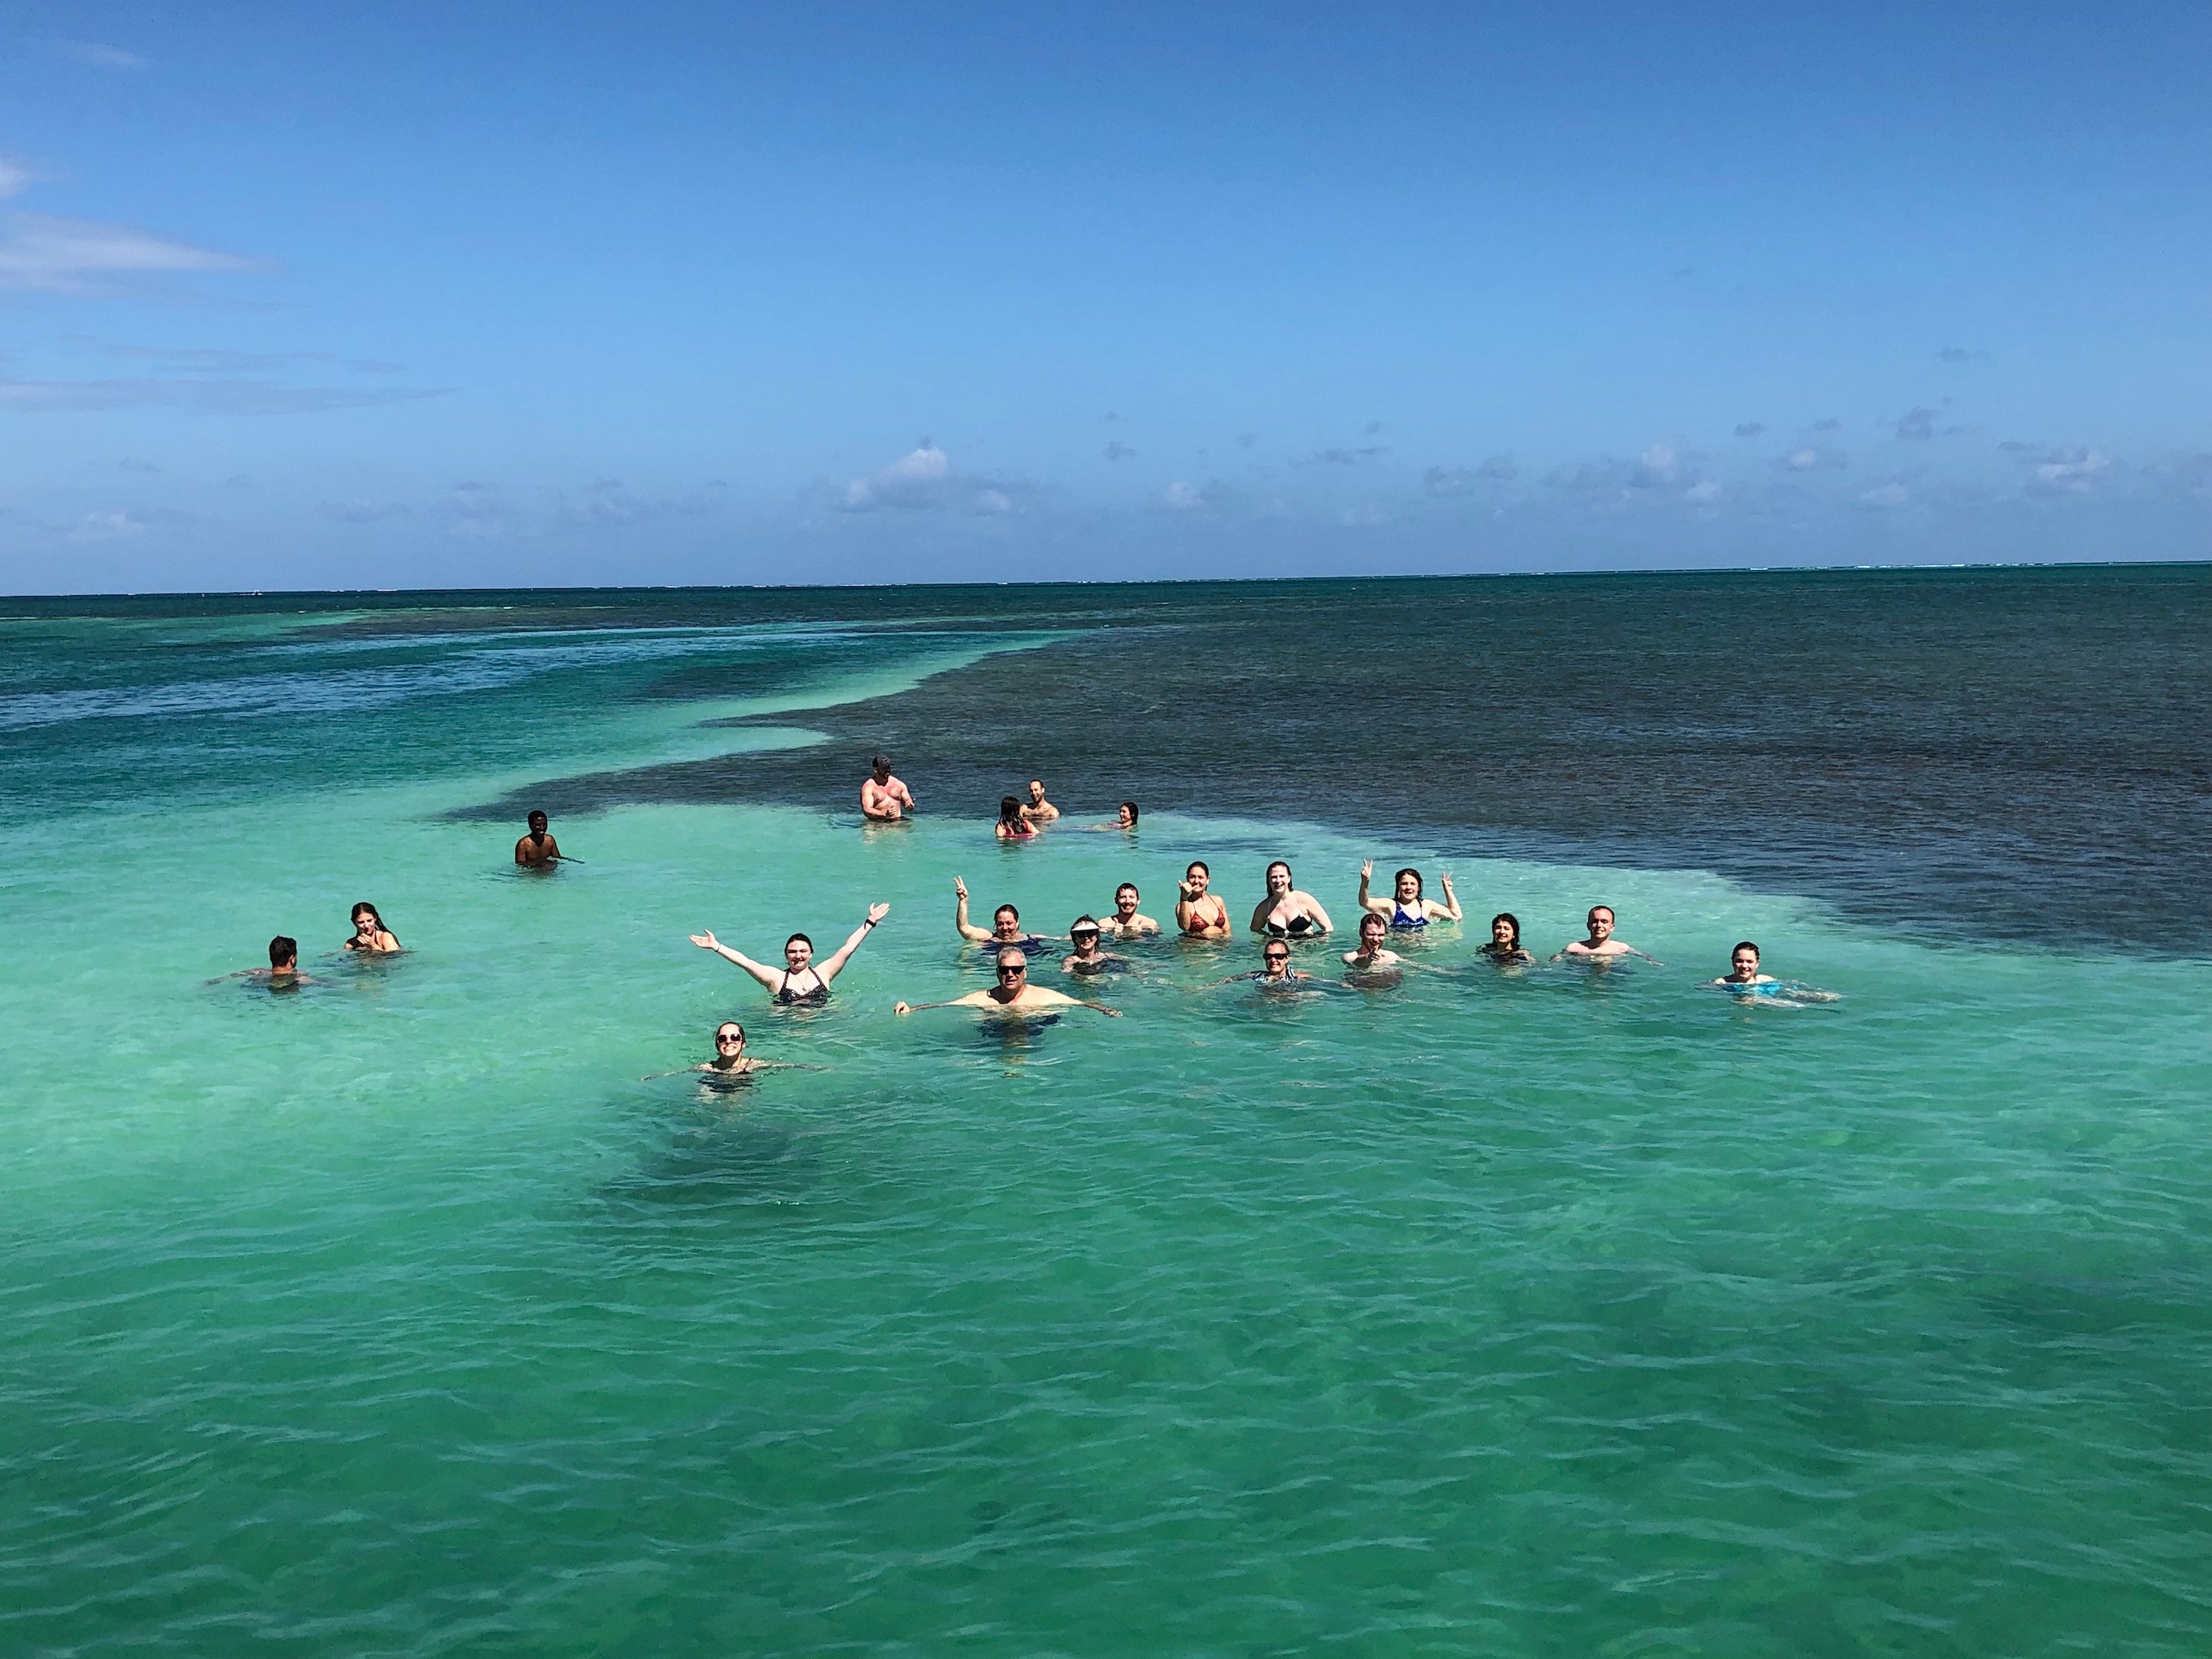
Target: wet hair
(1010, 810)
(1197, 864)
(1607, 908)
(1010, 956)
(1006, 910)
(536, 816)
(1745, 944)
(731, 1025)
(880, 763)
(1126, 887)
(1037, 784)
(282, 950)
(1273, 951)
(1375, 920)
(1510, 920)
(1402, 874)
(1284, 867)
(1084, 925)
(1130, 807)
(799, 938)
(354, 915)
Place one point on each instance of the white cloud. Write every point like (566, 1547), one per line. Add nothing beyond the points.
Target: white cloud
(2070, 472)
(1888, 494)
(74, 255)
(1656, 466)
(1703, 493)
(13, 177)
(923, 480)
(100, 56)
(112, 525)
(1212, 497)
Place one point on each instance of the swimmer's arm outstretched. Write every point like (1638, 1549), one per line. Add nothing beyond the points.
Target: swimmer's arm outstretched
(1450, 909)
(967, 929)
(767, 976)
(1380, 907)
(829, 970)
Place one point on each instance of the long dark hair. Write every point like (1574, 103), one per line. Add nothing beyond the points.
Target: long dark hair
(354, 915)
(1510, 920)
(1010, 811)
(1284, 867)
(1401, 875)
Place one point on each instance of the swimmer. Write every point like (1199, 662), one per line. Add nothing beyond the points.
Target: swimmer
(1277, 975)
(731, 1059)
(282, 973)
(1504, 948)
(1011, 825)
(369, 933)
(800, 980)
(1743, 979)
(1200, 914)
(884, 798)
(538, 850)
(1039, 809)
(1125, 922)
(1409, 909)
(1286, 912)
(1005, 924)
(1013, 994)
(1371, 956)
(1087, 957)
(1125, 819)
(1602, 946)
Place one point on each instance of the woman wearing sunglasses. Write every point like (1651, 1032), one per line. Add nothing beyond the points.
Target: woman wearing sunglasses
(1013, 994)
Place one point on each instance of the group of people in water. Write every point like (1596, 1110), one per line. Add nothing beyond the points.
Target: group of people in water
(1286, 915)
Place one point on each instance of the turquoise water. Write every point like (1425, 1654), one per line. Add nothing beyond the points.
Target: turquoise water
(1541, 1314)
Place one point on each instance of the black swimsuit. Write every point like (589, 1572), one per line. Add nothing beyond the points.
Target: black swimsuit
(1298, 928)
(786, 994)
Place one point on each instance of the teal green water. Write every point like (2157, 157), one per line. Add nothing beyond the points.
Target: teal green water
(1547, 1313)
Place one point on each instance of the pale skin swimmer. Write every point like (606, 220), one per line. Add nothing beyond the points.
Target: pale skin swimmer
(1406, 908)
(1371, 956)
(1125, 922)
(1199, 913)
(884, 798)
(1505, 949)
(731, 1059)
(801, 979)
(538, 850)
(1038, 810)
(369, 933)
(1602, 946)
(1124, 819)
(1013, 994)
(1005, 924)
(1287, 912)
(1275, 973)
(1087, 957)
(1744, 980)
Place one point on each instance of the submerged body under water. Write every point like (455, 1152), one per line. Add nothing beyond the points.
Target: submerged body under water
(1536, 1309)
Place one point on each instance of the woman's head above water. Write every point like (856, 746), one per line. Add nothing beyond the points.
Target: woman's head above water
(1506, 930)
(1409, 883)
(798, 951)
(1286, 885)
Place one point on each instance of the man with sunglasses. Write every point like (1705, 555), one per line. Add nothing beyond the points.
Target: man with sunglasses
(1013, 994)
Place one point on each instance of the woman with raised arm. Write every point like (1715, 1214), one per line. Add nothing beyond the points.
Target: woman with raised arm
(1287, 913)
(1200, 914)
(1408, 909)
(802, 980)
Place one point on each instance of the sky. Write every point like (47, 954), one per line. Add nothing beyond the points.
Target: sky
(301, 295)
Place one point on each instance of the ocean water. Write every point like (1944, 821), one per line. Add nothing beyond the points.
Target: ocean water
(1555, 1312)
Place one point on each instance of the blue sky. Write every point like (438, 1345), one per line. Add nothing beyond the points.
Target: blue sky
(306, 295)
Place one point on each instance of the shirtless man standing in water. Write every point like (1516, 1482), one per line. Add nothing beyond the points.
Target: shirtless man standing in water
(1013, 994)
(1039, 809)
(882, 797)
(537, 850)
(1125, 922)
(1602, 946)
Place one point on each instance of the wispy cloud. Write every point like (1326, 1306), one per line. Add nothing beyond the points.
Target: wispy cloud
(101, 56)
(1961, 355)
(2069, 472)
(203, 360)
(14, 175)
(1917, 424)
(1807, 458)
(79, 256)
(1346, 457)
(1212, 496)
(1118, 451)
(1466, 480)
(1750, 429)
(228, 396)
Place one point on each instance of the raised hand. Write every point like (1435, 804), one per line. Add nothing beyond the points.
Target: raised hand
(878, 912)
(706, 941)
(960, 887)
(1367, 871)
